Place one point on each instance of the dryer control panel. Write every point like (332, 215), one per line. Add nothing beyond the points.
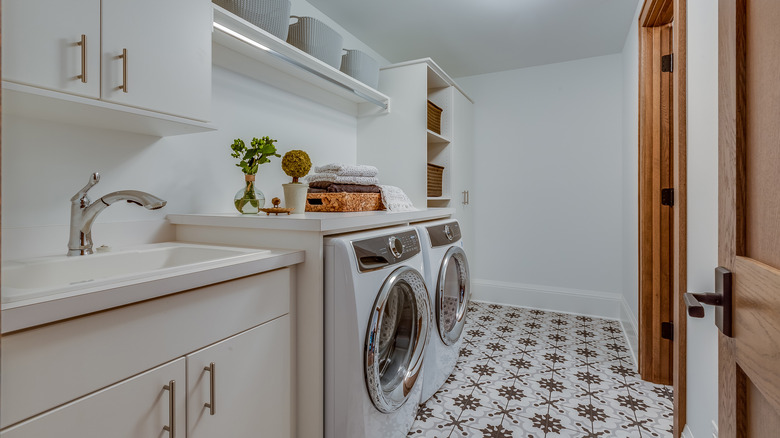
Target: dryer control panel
(444, 234)
(378, 252)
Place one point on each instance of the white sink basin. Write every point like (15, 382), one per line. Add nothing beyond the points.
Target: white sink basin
(56, 275)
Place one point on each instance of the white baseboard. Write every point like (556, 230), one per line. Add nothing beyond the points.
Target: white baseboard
(583, 302)
(630, 328)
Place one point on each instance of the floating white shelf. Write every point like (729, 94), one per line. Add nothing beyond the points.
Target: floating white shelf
(45, 104)
(436, 138)
(439, 198)
(245, 48)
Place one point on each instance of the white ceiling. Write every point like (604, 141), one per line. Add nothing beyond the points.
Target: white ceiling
(469, 37)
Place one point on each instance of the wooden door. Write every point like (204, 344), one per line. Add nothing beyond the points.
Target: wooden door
(136, 407)
(251, 386)
(749, 210)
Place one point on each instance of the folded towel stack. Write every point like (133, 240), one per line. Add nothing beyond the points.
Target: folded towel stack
(344, 174)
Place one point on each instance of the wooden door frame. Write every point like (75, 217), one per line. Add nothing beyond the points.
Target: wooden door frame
(656, 13)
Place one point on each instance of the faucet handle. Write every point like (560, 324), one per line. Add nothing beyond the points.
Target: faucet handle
(81, 194)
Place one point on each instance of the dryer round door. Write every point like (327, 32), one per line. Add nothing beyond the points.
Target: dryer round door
(396, 339)
(453, 292)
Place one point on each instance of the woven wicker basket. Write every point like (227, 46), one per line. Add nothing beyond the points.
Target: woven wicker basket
(435, 173)
(273, 16)
(361, 67)
(434, 117)
(339, 202)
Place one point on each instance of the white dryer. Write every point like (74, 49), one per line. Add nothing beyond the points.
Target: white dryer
(377, 319)
(449, 287)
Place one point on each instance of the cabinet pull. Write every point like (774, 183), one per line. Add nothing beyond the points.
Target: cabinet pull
(465, 197)
(212, 405)
(83, 44)
(123, 57)
(171, 428)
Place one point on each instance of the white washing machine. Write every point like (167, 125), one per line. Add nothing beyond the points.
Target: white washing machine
(449, 288)
(377, 319)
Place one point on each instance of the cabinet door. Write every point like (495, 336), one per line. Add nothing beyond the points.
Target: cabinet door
(136, 407)
(40, 44)
(168, 64)
(250, 388)
(463, 157)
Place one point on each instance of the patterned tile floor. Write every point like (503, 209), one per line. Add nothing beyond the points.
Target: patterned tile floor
(531, 373)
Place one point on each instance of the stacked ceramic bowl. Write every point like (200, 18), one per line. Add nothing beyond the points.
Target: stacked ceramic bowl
(317, 39)
(361, 67)
(272, 16)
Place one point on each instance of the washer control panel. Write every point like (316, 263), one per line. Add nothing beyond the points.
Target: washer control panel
(444, 234)
(378, 252)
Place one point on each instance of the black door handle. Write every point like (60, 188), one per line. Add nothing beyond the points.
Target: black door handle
(721, 299)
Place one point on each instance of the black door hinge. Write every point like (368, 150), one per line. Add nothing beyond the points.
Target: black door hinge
(667, 331)
(667, 197)
(667, 63)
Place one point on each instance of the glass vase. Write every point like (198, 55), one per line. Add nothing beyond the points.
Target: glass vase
(249, 200)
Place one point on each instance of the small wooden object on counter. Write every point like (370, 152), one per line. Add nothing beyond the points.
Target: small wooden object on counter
(435, 179)
(276, 209)
(434, 117)
(341, 202)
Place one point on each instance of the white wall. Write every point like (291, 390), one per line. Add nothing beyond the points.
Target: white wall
(45, 163)
(702, 376)
(548, 176)
(630, 183)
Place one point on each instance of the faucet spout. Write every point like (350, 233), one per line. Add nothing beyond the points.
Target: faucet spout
(83, 214)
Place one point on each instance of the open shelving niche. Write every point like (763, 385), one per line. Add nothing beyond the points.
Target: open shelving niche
(240, 46)
(440, 92)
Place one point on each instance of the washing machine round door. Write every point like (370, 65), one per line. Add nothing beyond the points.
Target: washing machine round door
(453, 293)
(396, 338)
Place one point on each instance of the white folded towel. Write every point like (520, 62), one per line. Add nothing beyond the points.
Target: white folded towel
(347, 169)
(343, 179)
(395, 199)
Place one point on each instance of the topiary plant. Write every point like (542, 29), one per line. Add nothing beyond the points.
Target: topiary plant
(296, 164)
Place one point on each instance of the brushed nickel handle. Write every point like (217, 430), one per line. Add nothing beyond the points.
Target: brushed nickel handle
(212, 404)
(83, 44)
(171, 428)
(123, 57)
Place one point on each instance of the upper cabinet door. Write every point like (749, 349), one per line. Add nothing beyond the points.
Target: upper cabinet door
(167, 67)
(42, 44)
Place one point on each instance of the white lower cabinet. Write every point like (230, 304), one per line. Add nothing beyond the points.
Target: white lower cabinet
(247, 385)
(141, 406)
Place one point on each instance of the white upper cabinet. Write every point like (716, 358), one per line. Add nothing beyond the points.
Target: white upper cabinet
(62, 61)
(168, 63)
(42, 44)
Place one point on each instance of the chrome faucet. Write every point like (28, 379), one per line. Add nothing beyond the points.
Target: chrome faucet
(83, 213)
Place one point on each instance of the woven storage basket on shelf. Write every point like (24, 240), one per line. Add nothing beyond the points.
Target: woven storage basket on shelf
(273, 16)
(340, 201)
(434, 179)
(434, 117)
(317, 39)
(361, 67)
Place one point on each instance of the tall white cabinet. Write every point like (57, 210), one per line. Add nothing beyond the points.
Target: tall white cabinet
(400, 144)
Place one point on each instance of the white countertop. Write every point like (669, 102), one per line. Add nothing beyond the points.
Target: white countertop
(22, 314)
(324, 223)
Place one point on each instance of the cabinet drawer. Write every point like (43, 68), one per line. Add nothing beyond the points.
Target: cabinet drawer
(136, 407)
(51, 365)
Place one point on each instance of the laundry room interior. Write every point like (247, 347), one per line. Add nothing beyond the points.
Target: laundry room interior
(484, 279)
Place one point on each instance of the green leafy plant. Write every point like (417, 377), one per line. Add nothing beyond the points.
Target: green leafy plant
(296, 164)
(252, 157)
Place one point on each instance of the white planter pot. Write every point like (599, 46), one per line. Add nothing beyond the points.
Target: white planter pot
(295, 197)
